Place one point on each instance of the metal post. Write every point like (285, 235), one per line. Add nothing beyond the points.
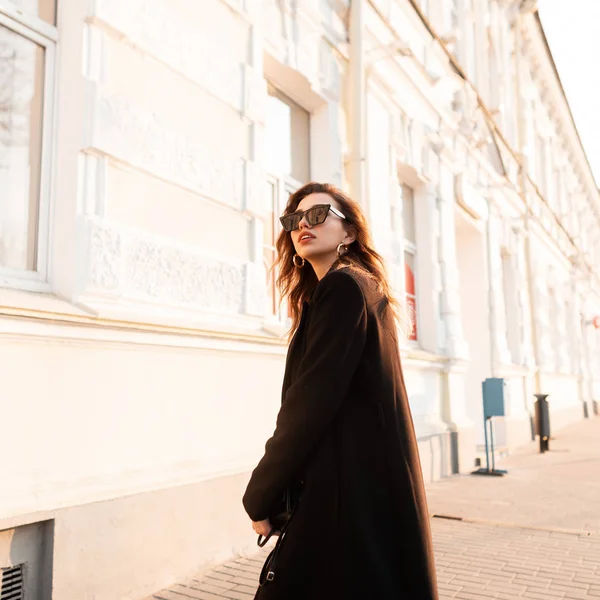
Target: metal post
(489, 447)
(487, 453)
(492, 444)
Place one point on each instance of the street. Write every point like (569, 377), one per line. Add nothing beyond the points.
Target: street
(534, 533)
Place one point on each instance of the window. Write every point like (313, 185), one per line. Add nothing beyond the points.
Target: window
(410, 254)
(26, 75)
(287, 157)
(287, 137)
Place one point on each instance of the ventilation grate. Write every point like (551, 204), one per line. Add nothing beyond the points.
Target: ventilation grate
(11, 587)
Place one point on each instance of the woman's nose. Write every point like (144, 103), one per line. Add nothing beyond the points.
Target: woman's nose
(303, 223)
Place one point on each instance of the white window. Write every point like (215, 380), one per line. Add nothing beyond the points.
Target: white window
(287, 137)
(27, 47)
(410, 258)
(287, 158)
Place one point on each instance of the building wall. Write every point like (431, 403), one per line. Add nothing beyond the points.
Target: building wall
(144, 352)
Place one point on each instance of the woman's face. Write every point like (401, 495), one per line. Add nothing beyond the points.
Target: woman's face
(320, 241)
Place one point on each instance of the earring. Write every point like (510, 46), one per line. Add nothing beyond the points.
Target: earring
(341, 250)
(298, 266)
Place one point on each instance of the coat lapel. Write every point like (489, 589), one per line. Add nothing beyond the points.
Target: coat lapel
(295, 351)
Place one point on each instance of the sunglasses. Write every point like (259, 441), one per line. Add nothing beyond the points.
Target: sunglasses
(315, 215)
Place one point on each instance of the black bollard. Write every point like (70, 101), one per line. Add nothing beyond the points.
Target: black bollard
(542, 421)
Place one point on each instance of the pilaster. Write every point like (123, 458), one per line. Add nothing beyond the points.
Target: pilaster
(528, 358)
(453, 342)
(500, 350)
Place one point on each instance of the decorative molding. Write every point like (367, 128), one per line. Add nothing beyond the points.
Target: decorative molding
(121, 263)
(138, 137)
(37, 327)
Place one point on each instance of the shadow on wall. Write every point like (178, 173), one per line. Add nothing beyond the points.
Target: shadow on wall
(26, 556)
(533, 427)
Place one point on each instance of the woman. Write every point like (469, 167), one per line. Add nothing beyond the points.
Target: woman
(360, 529)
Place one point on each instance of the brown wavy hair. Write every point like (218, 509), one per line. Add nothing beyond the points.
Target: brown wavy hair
(298, 284)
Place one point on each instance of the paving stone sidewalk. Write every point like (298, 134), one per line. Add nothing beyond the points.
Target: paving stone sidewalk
(532, 534)
(558, 489)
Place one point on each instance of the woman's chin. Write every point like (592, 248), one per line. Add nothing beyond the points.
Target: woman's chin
(310, 254)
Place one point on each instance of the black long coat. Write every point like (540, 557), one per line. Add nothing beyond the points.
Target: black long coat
(361, 529)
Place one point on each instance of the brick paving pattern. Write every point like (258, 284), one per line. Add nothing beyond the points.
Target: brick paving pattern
(532, 534)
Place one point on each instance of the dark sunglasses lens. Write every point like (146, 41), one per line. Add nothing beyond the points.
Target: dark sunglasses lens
(317, 215)
(291, 222)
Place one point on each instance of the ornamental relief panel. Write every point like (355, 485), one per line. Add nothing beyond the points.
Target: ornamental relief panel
(125, 264)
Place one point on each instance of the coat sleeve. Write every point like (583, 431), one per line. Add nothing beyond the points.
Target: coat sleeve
(335, 340)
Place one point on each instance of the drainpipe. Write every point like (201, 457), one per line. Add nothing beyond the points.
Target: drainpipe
(356, 116)
(521, 135)
(491, 300)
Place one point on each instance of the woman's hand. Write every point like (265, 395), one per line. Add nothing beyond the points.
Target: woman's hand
(262, 527)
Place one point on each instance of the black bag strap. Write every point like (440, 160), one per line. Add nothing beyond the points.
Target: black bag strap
(262, 540)
(268, 571)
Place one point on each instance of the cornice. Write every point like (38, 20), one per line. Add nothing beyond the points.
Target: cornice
(544, 75)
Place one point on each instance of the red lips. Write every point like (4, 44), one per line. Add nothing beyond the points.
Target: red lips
(307, 238)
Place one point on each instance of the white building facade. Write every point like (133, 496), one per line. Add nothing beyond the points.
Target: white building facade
(147, 148)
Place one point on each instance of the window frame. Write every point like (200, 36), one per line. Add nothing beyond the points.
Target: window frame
(281, 94)
(45, 35)
(284, 185)
(411, 247)
(281, 186)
